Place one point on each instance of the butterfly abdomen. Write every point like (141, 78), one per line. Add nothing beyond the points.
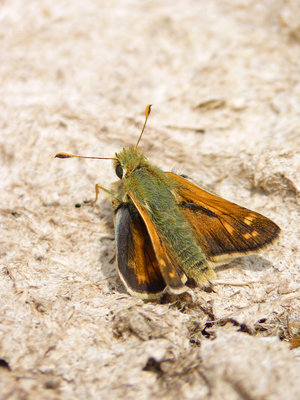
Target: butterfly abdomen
(183, 245)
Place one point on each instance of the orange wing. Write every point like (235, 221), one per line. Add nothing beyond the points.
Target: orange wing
(173, 276)
(136, 260)
(224, 229)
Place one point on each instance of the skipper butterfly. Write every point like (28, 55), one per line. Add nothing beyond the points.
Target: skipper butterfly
(168, 229)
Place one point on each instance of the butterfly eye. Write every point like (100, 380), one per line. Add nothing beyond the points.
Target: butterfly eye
(119, 171)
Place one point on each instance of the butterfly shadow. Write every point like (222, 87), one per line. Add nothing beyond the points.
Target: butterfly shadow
(252, 262)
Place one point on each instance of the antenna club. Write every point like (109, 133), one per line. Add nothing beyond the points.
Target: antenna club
(147, 113)
(62, 155)
(148, 110)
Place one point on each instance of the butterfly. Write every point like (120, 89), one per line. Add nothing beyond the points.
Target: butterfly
(169, 230)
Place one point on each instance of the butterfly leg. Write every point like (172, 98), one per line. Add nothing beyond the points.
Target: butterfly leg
(97, 190)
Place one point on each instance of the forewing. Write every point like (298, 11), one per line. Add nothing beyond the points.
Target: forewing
(224, 229)
(137, 264)
(172, 274)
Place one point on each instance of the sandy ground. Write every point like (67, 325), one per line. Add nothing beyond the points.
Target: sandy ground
(224, 81)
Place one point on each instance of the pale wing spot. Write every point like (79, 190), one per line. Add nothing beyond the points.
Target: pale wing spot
(141, 278)
(249, 235)
(161, 262)
(228, 227)
(248, 220)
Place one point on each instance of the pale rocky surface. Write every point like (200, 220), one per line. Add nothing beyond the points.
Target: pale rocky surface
(224, 81)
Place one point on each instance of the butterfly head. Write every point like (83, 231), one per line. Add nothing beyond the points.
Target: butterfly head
(128, 160)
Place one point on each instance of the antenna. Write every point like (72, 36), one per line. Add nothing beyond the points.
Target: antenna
(147, 113)
(67, 155)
